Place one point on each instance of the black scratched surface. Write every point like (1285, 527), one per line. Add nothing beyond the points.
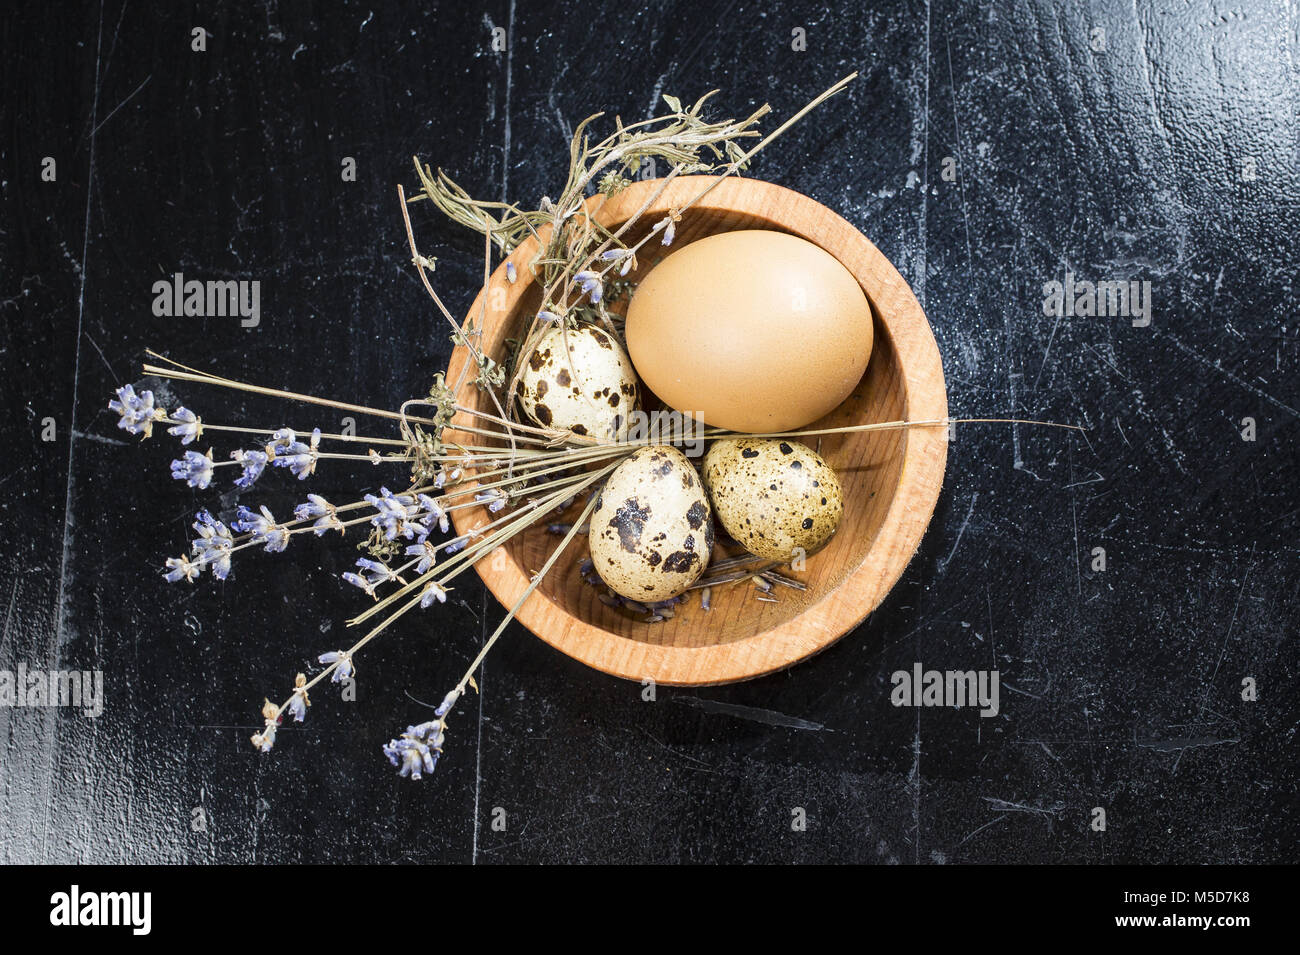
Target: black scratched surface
(1120, 689)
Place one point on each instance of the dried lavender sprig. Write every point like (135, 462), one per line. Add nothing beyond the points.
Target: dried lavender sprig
(272, 535)
(526, 472)
(511, 524)
(888, 426)
(138, 414)
(324, 516)
(450, 699)
(668, 224)
(273, 712)
(576, 454)
(679, 142)
(181, 372)
(655, 611)
(458, 330)
(240, 429)
(265, 740)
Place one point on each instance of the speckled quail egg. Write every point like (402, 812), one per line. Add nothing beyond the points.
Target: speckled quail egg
(651, 533)
(589, 389)
(776, 497)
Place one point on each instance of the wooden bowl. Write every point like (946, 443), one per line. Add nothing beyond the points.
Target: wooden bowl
(891, 478)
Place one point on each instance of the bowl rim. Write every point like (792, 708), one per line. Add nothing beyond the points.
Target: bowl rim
(842, 609)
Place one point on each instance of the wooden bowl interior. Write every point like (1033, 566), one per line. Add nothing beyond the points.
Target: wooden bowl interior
(869, 466)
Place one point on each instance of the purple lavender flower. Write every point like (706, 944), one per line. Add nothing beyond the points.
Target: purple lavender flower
(445, 475)
(393, 513)
(589, 282)
(299, 702)
(427, 553)
(137, 411)
(262, 528)
(511, 275)
(253, 464)
(417, 750)
(345, 669)
(493, 498)
(356, 580)
(447, 703)
(190, 427)
(377, 572)
(670, 232)
(425, 516)
(613, 255)
(298, 457)
(545, 316)
(178, 567)
(279, 440)
(213, 545)
(433, 592)
(324, 512)
(315, 506)
(194, 469)
(266, 739)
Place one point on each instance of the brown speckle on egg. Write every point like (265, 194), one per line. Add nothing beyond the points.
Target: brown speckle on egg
(630, 520)
(680, 562)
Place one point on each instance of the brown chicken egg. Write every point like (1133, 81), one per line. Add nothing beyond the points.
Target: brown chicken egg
(751, 331)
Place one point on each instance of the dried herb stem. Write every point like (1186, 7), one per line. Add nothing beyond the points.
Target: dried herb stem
(528, 592)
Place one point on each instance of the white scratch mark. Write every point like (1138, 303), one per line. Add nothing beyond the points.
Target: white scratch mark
(654, 97)
(61, 606)
(120, 105)
(1222, 650)
(961, 173)
(510, 52)
(1229, 375)
(960, 531)
(1002, 805)
(100, 438)
(1074, 517)
(1046, 351)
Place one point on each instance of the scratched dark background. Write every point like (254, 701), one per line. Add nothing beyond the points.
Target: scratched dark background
(1121, 155)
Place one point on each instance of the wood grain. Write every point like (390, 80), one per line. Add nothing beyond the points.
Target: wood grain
(891, 479)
